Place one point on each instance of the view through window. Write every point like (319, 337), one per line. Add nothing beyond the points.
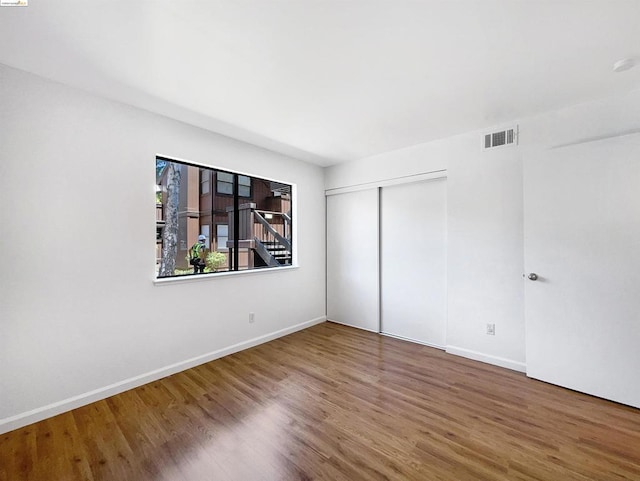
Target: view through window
(196, 225)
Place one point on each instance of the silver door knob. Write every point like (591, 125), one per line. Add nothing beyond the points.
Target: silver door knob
(533, 276)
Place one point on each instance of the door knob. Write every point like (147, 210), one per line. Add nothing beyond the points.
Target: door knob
(533, 276)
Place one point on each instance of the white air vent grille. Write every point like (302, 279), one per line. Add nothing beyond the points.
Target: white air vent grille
(501, 138)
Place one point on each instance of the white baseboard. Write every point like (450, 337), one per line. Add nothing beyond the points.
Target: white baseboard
(457, 351)
(53, 409)
(495, 360)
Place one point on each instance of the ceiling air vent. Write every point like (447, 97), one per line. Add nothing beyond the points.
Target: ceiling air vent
(501, 138)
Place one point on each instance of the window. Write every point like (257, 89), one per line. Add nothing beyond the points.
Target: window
(222, 235)
(189, 209)
(204, 230)
(205, 176)
(225, 184)
(244, 186)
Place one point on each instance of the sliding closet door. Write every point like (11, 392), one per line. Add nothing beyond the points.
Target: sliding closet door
(413, 261)
(352, 259)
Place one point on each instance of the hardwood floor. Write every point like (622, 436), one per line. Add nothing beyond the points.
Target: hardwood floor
(334, 403)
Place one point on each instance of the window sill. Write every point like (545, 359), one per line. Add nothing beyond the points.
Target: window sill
(220, 275)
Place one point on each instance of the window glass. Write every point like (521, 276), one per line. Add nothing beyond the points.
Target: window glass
(244, 191)
(205, 175)
(222, 235)
(188, 213)
(244, 186)
(204, 230)
(225, 183)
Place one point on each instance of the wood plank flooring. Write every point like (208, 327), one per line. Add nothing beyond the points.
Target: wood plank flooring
(334, 403)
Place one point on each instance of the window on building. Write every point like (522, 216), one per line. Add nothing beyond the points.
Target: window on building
(259, 209)
(244, 186)
(225, 181)
(205, 178)
(222, 236)
(204, 230)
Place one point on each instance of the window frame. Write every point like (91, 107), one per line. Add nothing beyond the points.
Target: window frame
(238, 200)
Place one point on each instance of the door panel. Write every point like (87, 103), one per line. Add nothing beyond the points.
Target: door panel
(582, 239)
(413, 261)
(352, 259)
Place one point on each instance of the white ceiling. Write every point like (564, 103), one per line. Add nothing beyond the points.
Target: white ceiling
(331, 80)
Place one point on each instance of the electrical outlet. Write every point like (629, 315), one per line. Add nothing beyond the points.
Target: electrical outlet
(252, 318)
(491, 329)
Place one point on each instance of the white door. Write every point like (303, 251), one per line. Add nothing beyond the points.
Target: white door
(352, 259)
(582, 240)
(413, 261)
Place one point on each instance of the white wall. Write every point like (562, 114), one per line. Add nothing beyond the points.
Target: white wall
(485, 217)
(80, 315)
(485, 254)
